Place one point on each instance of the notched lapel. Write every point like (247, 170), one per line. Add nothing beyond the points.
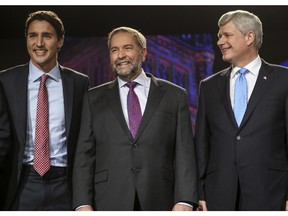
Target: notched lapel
(156, 93)
(68, 91)
(224, 89)
(261, 86)
(20, 104)
(113, 96)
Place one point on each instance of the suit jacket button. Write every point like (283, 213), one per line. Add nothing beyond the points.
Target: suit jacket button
(238, 137)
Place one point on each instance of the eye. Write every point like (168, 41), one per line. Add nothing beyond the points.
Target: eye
(32, 35)
(47, 35)
(128, 47)
(113, 50)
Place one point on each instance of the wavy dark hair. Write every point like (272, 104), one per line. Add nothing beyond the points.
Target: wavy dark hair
(48, 16)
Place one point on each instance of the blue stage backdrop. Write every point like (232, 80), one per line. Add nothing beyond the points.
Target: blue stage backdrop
(182, 59)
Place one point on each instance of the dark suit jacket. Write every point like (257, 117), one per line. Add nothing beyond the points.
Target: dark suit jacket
(255, 155)
(5, 132)
(159, 164)
(14, 82)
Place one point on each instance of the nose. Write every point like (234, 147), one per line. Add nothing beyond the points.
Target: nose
(219, 41)
(39, 41)
(121, 53)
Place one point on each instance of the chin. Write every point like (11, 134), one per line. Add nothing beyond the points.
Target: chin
(226, 59)
(124, 73)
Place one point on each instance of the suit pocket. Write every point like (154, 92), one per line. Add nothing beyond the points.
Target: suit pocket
(281, 165)
(101, 176)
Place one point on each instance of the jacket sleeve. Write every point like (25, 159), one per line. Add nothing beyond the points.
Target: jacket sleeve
(185, 162)
(84, 161)
(5, 129)
(201, 143)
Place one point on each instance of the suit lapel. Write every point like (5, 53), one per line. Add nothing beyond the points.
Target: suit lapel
(68, 86)
(263, 81)
(224, 89)
(113, 96)
(20, 112)
(154, 98)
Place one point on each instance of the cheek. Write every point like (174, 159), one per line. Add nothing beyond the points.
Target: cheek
(28, 44)
(112, 60)
(111, 56)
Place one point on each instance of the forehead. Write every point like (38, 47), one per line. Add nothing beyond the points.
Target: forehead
(229, 26)
(39, 26)
(121, 38)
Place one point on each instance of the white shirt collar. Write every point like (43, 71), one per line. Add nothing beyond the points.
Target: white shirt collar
(35, 73)
(253, 67)
(141, 80)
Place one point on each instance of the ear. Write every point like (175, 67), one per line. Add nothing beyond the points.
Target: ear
(144, 54)
(250, 38)
(60, 43)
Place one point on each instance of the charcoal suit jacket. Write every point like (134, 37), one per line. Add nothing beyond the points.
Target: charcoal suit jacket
(110, 166)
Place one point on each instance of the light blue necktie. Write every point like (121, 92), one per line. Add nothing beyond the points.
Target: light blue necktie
(240, 95)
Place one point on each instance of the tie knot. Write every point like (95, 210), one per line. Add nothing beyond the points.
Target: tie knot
(243, 71)
(131, 85)
(44, 77)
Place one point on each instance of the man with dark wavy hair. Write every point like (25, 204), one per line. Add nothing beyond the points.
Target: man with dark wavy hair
(48, 128)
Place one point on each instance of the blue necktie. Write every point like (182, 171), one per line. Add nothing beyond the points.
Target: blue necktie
(134, 109)
(240, 95)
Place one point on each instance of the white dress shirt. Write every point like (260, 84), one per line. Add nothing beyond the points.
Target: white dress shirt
(251, 77)
(57, 133)
(141, 90)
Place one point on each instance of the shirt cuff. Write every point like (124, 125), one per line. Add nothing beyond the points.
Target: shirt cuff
(186, 204)
(81, 207)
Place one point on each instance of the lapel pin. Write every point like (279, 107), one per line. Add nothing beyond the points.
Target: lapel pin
(265, 78)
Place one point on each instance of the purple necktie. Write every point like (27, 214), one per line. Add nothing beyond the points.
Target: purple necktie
(134, 110)
(41, 146)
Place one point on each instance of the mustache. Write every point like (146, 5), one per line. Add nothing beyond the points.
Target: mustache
(123, 60)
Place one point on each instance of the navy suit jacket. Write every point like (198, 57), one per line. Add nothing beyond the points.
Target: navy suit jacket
(253, 156)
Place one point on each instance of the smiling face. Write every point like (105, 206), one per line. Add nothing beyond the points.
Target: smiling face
(43, 45)
(126, 56)
(236, 48)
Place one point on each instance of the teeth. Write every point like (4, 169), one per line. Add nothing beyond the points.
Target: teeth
(123, 63)
(40, 52)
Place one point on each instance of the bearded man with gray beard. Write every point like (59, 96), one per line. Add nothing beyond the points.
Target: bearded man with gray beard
(135, 149)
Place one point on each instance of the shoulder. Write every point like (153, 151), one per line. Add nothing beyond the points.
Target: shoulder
(273, 67)
(103, 87)
(13, 70)
(278, 72)
(168, 85)
(214, 79)
(219, 75)
(72, 72)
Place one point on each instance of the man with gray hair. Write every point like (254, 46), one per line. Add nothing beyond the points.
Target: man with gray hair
(135, 149)
(241, 126)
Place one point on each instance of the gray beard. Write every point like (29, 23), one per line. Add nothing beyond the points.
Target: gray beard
(129, 76)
